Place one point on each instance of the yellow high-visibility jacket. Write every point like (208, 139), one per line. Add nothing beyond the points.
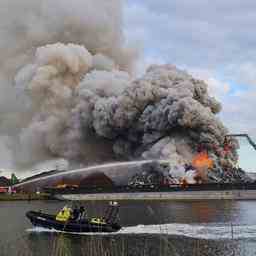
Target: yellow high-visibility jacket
(63, 215)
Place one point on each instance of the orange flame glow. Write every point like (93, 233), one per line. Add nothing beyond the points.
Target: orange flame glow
(202, 160)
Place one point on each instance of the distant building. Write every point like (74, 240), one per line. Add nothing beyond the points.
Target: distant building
(4, 182)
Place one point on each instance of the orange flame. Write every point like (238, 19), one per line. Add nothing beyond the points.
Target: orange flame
(202, 160)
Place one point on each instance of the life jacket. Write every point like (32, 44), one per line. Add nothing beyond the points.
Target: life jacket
(63, 215)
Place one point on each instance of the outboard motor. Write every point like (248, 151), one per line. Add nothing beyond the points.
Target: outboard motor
(111, 212)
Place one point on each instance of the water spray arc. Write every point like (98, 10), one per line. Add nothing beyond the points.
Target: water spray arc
(92, 168)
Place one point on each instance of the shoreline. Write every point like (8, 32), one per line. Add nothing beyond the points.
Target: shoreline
(235, 194)
(25, 197)
(169, 196)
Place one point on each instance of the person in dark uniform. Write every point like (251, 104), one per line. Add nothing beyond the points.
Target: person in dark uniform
(82, 214)
(75, 214)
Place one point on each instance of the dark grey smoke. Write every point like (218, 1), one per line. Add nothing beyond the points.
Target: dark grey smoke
(165, 114)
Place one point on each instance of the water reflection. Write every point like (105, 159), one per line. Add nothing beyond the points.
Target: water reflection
(127, 245)
(15, 240)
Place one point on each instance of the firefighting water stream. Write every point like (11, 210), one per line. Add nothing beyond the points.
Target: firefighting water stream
(88, 169)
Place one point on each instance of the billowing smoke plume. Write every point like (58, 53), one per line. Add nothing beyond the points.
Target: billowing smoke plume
(166, 114)
(29, 25)
(74, 96)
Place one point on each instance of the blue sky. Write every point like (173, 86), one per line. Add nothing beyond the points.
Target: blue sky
(213, 40)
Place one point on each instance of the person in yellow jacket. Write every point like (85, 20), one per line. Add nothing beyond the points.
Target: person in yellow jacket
(64, 214)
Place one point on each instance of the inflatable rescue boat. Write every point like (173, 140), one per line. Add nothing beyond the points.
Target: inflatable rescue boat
(86, 225)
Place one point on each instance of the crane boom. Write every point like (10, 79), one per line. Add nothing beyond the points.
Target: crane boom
(245, 135)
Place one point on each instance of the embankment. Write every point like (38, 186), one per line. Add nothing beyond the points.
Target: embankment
(24, 197)
(180, 195)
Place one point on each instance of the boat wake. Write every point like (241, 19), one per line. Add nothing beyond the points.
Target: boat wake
(200, 231)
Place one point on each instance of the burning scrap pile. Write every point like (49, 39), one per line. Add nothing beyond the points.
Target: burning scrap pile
(151, 174)
(77, 99)
(202, 170)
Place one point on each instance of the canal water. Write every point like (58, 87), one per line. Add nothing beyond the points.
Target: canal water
(149, 228)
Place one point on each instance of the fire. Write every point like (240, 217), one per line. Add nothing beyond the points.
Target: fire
(202, 160)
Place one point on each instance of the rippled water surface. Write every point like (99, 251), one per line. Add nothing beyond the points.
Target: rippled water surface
(149, 228)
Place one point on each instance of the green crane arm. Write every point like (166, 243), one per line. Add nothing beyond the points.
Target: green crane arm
(252, 143)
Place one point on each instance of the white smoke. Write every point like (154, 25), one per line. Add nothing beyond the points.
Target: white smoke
(74, 96)
(90, 35)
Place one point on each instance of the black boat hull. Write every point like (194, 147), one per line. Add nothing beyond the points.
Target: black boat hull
(40, 219)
